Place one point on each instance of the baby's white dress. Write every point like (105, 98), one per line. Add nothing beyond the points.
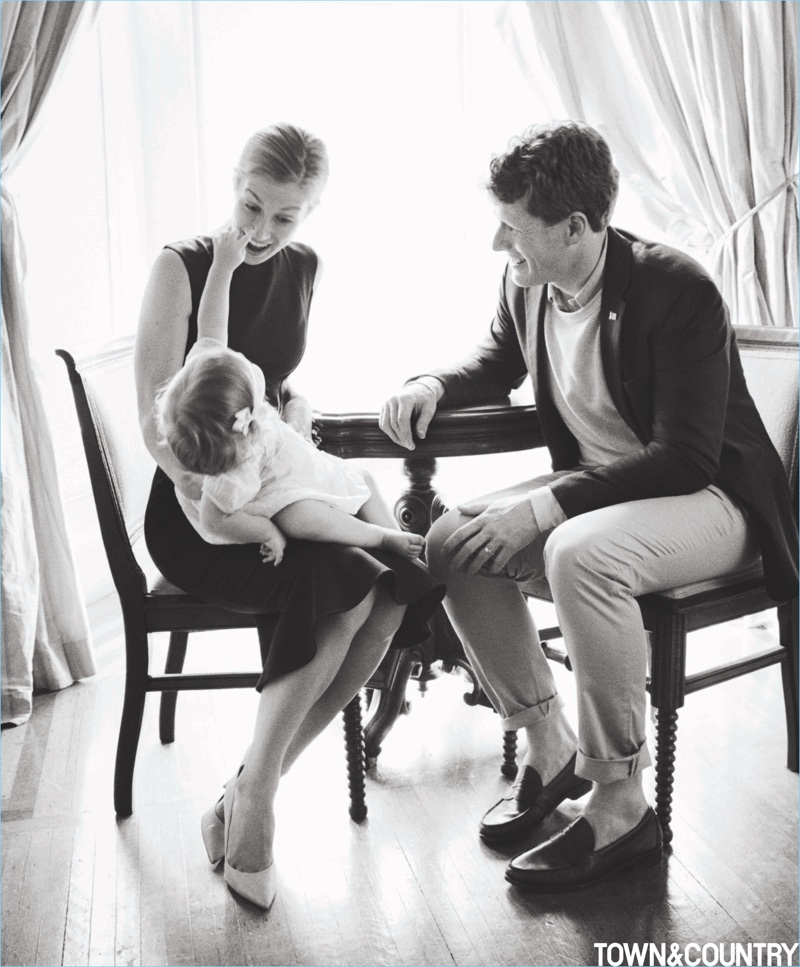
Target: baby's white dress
(282, 469)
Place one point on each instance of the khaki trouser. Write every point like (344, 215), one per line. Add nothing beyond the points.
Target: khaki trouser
(594, 565)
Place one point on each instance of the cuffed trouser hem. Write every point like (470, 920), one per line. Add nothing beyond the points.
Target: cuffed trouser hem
(612, 770)
(533, 715)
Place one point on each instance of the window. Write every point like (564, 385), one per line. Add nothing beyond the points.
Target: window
(138, 142)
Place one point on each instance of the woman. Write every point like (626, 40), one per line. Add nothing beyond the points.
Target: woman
(339, 607)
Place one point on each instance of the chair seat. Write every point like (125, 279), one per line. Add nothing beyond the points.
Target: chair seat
(159, 585)
(755, 573)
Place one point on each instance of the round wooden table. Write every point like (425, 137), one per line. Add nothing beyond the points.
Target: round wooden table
(477, 430)
(501, 427)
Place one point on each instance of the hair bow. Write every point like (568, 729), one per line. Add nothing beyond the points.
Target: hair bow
(244, 418)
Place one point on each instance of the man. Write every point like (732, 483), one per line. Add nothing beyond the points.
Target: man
(663, 474)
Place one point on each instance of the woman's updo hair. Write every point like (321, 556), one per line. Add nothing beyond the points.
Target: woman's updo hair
(285, 153)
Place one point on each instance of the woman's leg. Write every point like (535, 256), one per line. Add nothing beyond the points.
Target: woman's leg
(292, 710)
(368, 647)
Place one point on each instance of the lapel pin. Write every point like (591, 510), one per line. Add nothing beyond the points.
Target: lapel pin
(612, 316)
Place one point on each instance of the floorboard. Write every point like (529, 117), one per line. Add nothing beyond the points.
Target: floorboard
(412, 884)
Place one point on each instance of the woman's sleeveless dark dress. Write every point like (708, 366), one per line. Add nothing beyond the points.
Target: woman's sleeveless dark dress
(268, 317)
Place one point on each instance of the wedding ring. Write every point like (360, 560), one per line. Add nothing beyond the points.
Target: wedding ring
(488, 550)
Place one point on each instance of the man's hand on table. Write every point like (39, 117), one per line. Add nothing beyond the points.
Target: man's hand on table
(498, 529)
(410, 409)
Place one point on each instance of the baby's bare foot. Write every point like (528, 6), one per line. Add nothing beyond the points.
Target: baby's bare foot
(403, 543)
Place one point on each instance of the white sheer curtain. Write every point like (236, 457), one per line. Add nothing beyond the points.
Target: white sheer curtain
(169, 92)
(699, 102)
(45, 633)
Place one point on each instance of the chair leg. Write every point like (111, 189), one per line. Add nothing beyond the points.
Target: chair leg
(787, 625)
(666, 736)
(509, 766)
(137, 663)
(356, 760)
(129, 731)
(176, 655)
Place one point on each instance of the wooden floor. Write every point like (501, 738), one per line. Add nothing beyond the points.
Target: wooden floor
(411, 885)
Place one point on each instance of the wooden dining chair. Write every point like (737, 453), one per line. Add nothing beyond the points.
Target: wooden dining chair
(121, 471)
(770, 362)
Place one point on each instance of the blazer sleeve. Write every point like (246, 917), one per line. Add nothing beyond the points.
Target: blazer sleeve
(497, 365)
(681, 389)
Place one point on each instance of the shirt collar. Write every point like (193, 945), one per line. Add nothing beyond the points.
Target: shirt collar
(588, 290)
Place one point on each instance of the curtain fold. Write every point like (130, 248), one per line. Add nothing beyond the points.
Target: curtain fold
(699, 101)
(46, 643)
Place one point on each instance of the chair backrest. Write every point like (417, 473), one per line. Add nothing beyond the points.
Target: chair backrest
(770, 363)
(120, 466)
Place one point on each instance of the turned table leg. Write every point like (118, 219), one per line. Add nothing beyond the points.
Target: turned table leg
(416, 510)
(418, 507)
(497, 427)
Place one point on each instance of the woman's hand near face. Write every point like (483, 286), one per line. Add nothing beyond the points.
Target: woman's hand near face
(413, 407)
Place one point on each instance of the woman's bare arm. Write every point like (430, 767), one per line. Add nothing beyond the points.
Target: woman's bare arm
(297, 413)
(160, 348)
(297, 410)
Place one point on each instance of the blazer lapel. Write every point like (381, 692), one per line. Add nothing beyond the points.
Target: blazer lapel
(610, 340)
(612, 307)
(561, 443)
(535, 307)
(534, 336)
(619, 260)
(616, 277)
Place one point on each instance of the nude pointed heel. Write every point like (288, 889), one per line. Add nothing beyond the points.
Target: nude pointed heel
(212, 829)
(260, 887)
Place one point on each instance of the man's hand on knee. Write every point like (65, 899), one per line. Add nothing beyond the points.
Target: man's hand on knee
(497, 531)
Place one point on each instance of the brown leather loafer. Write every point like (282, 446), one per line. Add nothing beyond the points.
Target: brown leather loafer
(569, 860)
(530, 802)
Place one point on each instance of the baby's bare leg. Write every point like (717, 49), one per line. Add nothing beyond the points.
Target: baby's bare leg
(376, 510)
(314, 520)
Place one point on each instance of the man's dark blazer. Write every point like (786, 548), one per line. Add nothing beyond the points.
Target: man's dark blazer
(673, 370)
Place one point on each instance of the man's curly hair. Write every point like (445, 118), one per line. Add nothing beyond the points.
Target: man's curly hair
(559, 168)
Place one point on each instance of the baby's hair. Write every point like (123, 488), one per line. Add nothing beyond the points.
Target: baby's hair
(197, 409)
